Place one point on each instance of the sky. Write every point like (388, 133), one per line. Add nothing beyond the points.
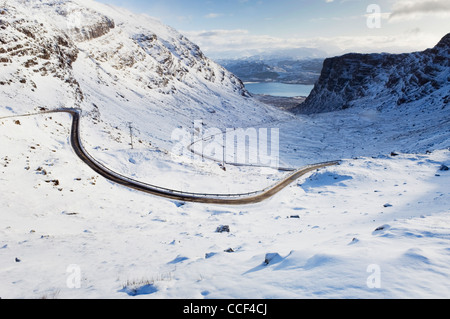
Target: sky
(236, 28)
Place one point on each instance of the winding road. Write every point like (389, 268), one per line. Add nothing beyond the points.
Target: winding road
(219, 199)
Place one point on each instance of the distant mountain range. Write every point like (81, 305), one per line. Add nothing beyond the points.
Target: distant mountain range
(277, 70)
(292, 66)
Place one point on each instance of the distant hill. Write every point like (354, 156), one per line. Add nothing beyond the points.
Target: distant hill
(275, 69)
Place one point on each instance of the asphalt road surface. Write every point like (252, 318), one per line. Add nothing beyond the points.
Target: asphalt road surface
(224, 199)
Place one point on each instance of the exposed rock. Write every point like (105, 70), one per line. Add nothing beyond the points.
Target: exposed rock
(45, 51)
(96, 30)
(381, 228)
(209, 255)
(380, 80)
(49, 47)
(223, 229)
(272, 258)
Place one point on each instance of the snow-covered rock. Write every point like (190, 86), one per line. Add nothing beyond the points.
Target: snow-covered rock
(383, 81)
(117, 66)
(66, 232)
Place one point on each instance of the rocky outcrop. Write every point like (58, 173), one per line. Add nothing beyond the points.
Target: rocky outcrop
(96, 30)
(31, 48)
(174, 61)
(380, 80)
(45, 38)
(82, 23)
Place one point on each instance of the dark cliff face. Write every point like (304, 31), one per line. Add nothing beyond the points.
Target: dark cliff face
(379, 80)
(100, 28)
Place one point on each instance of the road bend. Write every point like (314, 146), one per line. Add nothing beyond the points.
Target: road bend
(219, 199)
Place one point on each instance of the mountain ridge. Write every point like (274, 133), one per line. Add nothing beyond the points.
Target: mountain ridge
(382, 80)
(272, 69)
(118, 67)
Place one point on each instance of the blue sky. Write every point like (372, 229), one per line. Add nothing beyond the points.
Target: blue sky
(243, 27)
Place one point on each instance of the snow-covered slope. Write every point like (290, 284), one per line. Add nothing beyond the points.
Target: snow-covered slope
(375, 226)
(117, 66)
(383, 81)
(368, 228)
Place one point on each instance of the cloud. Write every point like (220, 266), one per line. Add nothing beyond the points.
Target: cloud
(235, 40)
(240, 42)
(418, 8)
(212, 15)
(383, 15)
(218, 34)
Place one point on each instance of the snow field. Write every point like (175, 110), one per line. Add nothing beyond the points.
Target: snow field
(322, 228)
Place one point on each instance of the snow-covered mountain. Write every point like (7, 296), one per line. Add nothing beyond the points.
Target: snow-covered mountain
(275, 69)
(300, 53)
(116, 66)
(383, 81)
(375, 226)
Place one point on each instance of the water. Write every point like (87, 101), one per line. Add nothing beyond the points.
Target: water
(279, 89)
